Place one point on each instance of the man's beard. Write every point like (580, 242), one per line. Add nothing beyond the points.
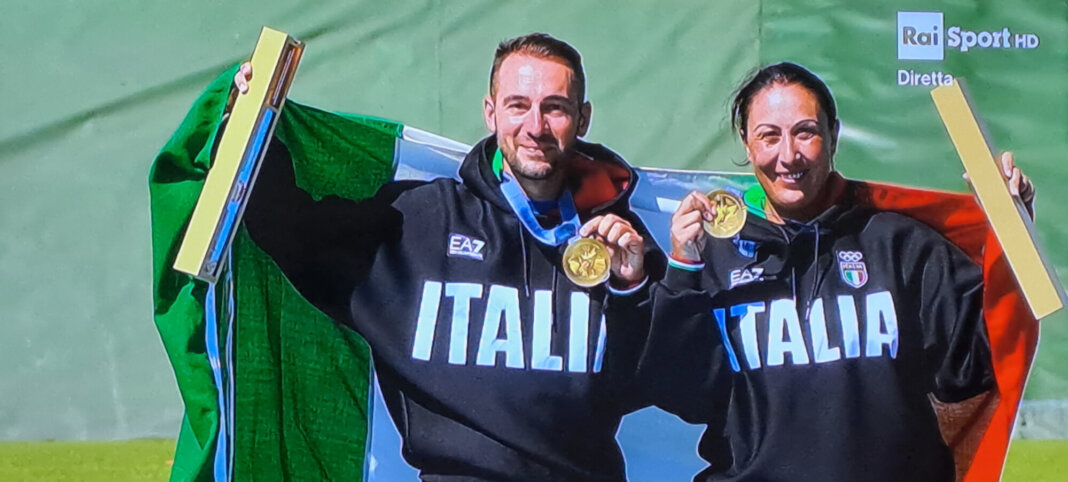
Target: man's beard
(537, 170)
(534, 173)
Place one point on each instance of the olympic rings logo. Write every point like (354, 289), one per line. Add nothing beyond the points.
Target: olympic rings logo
(850, 256)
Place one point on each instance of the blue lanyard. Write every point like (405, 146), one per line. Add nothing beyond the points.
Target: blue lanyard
(555, 236)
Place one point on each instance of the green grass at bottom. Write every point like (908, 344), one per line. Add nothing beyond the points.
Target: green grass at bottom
(150, 460)
(1037, 461)
(127, 461)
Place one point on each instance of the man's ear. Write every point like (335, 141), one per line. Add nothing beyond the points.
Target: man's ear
(489, 114)
(584, 114)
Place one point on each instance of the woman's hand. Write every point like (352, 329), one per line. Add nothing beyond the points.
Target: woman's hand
(687, 226)
(1019, 184)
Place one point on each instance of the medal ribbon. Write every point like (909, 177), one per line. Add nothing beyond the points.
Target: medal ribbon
(555, 236)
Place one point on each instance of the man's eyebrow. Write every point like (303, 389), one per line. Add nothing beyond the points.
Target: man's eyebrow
(515, 97)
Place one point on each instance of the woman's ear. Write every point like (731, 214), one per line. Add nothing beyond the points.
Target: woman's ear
(748, 152)
(834, 137)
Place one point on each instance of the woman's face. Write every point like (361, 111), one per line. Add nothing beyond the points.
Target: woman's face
(791, 144)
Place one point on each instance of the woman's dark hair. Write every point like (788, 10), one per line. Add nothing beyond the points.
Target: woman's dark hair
(783, 73)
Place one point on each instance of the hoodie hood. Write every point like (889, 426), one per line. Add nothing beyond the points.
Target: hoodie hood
(845, 206)
(599, 179)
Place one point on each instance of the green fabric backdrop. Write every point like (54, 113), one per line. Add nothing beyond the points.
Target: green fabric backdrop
(92, 89)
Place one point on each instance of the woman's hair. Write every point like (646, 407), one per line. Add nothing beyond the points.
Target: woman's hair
(783, 73)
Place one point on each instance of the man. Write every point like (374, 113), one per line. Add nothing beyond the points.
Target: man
(490, 360)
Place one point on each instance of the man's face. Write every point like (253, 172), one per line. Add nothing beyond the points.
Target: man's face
(536, 114)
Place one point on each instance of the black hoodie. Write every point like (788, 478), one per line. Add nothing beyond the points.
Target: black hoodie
(490, 360)
(810, 349)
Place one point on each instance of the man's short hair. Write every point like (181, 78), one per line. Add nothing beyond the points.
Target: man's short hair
(544, 46)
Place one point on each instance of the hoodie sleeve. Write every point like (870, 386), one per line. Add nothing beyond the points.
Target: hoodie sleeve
(957, 349)
(627, 313)
(682, 367)
(324, 247)
(627, 316)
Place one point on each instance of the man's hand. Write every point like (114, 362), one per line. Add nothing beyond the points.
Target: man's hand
(687, 227)
(624, 244)
(241, 78)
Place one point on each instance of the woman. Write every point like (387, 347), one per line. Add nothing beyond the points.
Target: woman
(811, 342)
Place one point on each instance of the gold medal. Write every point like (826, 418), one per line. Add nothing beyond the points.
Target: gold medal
(587, 262)
(730, 214)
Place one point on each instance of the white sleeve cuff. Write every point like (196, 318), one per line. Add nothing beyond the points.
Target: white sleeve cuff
(628, 291)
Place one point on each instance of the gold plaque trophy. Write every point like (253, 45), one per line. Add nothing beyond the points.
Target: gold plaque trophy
(1007, 215)
(730, 214)
(236, 163)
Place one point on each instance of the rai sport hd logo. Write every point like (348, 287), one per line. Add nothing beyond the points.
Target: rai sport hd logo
(924, 36)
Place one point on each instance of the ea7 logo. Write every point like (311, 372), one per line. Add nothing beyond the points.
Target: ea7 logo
(466, 247)
(920, 36)
(743, 276)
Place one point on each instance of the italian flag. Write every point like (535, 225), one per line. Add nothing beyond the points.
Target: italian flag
(274, 390)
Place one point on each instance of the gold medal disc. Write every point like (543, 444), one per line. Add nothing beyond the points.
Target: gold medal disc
(730, 214)
(587, 263)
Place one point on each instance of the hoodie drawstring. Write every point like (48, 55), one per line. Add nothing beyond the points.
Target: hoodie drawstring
(553, 304)
(786, 259)
(815, 266)
(526, 270)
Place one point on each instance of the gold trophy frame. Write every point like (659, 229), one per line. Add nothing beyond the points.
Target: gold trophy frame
(1007, 215)
(240, 152)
